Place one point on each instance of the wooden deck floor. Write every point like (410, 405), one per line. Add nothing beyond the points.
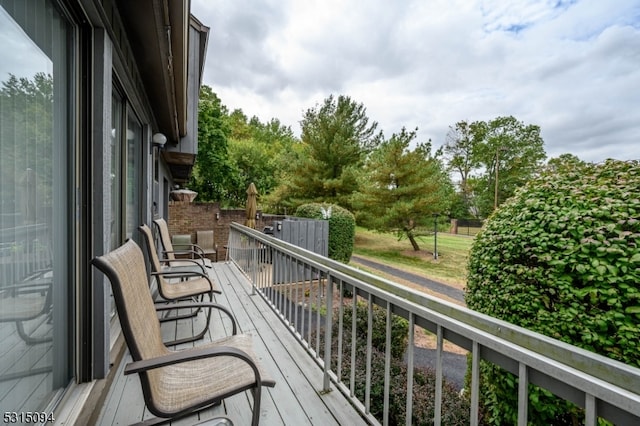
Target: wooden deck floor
(295, 400)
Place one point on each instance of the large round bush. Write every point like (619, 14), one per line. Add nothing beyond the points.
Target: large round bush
(342, 227)
(563, 258)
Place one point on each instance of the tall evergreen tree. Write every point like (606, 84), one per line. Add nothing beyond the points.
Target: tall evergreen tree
(336, 138)
(402, 188)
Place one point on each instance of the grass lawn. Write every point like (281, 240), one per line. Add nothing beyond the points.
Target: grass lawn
(453, 252)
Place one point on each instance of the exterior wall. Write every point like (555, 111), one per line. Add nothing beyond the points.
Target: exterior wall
(187, 218)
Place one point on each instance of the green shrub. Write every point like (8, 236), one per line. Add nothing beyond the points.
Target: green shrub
(342, 227)
(562, 258)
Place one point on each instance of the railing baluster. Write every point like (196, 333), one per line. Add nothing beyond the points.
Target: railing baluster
(309, 310)
(289, 292)
(328, 333)
(340, 331)
(319, 274)
(303, 304)
(437, 418)
(352, 376)
(475, 383)
(387, 367)
(523, 394)
(590, 410)
(255, 265)
(410, 361)
(367, 392)
(297, 299)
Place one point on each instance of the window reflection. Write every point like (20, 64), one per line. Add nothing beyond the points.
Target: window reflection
(134, 176)
(33, 205)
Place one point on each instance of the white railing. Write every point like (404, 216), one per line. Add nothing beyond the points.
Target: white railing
(302, 287)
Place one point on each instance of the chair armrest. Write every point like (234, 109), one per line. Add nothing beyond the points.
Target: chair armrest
(187, 274)
(197, 249)
(187, 305)
(195, 354)
(181, 274)
(192, 261)
(193, 253)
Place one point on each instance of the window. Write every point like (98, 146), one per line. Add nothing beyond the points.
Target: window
(35, 234)
(134, 188)
(126, 172)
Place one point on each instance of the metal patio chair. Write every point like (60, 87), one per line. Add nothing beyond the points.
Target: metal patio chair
(193, 251)
(205, 241)
(189, 284)
(176, 383)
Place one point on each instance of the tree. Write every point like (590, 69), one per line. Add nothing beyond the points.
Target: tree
(402, 188)
(459, 149)
(256, 151)
(336, 138)
(493, 159)
(213, 173)
(511, 154)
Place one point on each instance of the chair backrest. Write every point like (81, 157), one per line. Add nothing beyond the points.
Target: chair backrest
(205, 239)
(147, 236)
(165, 238)
(181, 242)
(125, 269)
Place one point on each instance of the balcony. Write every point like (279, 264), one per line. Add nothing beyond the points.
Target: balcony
(287, 297)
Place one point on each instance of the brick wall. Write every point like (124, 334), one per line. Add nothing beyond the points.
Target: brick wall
(187, 218)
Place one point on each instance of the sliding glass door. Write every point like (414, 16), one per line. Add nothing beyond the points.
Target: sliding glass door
(36, 137)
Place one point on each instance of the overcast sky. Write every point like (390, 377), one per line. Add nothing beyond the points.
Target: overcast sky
(570, 67)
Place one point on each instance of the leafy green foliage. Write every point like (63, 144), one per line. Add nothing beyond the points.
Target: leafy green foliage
(563, 258)
(342, 227)
(402, 188)
(28, 147)
(258, 152)
(234, 151)
(477, 150)
(213, 173)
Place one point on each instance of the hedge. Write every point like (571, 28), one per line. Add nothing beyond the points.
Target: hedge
(562, 258)
(342, 227)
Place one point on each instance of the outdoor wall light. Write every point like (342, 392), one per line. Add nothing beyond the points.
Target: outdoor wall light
(217, 215)
(279, 226)
(257, 216)
(159, 140)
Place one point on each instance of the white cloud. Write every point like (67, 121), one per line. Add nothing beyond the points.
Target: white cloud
(570, 67)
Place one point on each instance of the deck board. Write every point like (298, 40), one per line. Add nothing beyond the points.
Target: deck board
(295, 400)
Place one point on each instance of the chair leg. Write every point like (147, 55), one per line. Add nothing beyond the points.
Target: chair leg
(195, 337)
(167, 317)
(257, 393)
